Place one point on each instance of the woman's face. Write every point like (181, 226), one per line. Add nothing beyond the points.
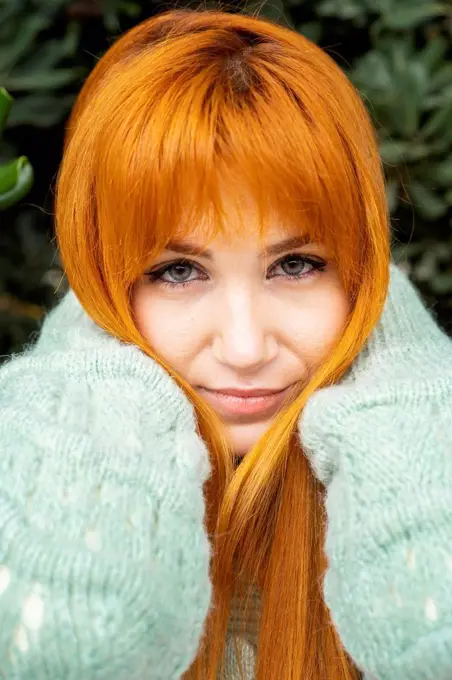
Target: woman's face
(244, 324)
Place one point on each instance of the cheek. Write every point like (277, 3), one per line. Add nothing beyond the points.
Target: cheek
(167, 330)
(319, 324)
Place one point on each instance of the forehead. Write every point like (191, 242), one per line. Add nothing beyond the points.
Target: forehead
(243, 224)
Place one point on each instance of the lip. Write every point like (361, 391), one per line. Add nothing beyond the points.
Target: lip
(232, 402)
(246, 393)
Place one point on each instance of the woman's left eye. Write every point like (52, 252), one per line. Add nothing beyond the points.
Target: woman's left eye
(293, 266)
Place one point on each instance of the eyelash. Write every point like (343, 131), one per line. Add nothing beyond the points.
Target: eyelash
(156, 276)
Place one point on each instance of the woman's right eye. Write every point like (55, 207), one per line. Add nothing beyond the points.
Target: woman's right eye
(175, 274)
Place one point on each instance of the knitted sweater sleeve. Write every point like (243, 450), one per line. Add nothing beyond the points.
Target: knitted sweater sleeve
(104, 558)
(382, 445)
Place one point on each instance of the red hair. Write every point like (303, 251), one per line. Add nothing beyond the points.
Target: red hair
(176, 105)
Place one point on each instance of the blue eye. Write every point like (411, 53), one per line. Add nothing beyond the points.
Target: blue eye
(293, 265)
(183, 273)
(176, 274)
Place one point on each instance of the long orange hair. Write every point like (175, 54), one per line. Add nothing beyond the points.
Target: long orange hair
(176, 105)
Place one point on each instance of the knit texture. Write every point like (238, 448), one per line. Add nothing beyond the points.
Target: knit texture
(246, 630)
(381, 442)
(103, 552)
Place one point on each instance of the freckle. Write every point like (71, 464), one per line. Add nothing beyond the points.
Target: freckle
(411, 559)
(92, 539)
(5, 578)
(33, 612)
(21, 639)
(431, 612)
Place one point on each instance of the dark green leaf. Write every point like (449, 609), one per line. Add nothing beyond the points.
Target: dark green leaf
(393, 151)
(427, 203)
(405, 17)
(433, 53)
(343, 9)
(441, 174)
(6, 102)
(40, 110)
(45, 80)
(442, 78)
(312, 30)
(417, 151)
(48, 55)
(22, 186)
(132, 9)
(30, 27)
(437, 122)
(442, 283)
(9, 174)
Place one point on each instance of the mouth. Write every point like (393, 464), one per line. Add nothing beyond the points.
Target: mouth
(254, 404)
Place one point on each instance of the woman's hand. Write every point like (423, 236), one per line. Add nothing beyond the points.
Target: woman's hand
(381, 443)
(104, 557)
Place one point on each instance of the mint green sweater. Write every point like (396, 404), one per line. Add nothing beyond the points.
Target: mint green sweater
(104, 559)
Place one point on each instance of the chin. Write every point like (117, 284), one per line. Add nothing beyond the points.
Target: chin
(244, 436)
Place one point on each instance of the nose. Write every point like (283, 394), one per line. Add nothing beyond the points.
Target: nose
(244, 339)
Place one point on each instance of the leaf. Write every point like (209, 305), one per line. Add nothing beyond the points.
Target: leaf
(441, 173)
(372, 73)
(433, 53)
(24, 182)
(40, 110)
(30, 27)
(436, 101)
(441, 283)
(427, 203)
(312, 30)
(6, 102)
(9, 173)
(45, 80)
(410, 250)
(412, 86)
(7, 12)
(417, 151)
(275, 11)
(342, 9)
(438, 121)
(51, 52)
(132, 9)
(406, 17)
(393, 151)
(71, 41)
(442, 77)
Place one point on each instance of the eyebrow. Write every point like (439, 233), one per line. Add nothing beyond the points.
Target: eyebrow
(187, 248)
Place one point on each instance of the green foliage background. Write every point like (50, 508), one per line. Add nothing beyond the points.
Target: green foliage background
(397, 52)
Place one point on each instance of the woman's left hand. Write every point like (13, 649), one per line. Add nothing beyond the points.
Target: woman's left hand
(381, 442)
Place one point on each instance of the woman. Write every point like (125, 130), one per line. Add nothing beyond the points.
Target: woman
(226, 365)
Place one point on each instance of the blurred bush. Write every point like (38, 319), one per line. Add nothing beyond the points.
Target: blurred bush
(397, 52)
(16, 176)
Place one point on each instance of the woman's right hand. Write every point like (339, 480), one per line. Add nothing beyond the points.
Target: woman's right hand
(104, 557)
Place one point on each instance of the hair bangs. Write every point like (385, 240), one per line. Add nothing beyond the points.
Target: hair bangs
(189, 133)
